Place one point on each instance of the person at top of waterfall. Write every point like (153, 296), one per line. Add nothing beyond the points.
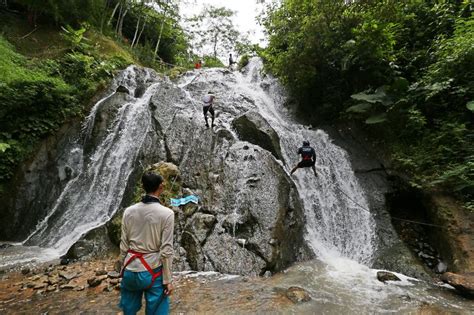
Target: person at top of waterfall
(308, 156)
(198, 64)
(146, 251)
(231, 61)
(208, 100)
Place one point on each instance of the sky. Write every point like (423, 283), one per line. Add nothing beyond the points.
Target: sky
(245, 21)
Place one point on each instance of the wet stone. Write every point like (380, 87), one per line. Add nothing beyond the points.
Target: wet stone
(100, 272)
(384, 276)
(113, 274)
(25, 271)
(39, 286)
(68, 275)
(94, 282)
(298, 295)
(67, 287)
(51, 288)
(114, 281)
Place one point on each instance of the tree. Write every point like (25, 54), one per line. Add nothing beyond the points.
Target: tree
(403, 68)
(214, 28)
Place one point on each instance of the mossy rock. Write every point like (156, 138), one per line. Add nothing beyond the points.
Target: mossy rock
(114, 227)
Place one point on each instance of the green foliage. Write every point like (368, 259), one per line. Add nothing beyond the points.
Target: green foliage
(244, 60)
(470, 106)
(212, 62)
(136, 24)
(67, 11)
(76, 38)
(214, 27)
(37, 97)
(404, 68)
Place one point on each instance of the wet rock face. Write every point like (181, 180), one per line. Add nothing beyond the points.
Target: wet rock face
(246, 197)
(249, 219)
(38, 183)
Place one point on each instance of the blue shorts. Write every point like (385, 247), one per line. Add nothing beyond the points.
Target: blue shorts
(134, 284)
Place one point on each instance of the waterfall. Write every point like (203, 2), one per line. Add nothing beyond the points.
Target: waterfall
(104, 157)
(92, 197)
(338, 223)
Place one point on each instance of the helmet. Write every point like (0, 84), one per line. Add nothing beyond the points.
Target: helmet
(306, 143)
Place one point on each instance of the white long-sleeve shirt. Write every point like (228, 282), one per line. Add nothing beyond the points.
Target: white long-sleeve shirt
(148, 228)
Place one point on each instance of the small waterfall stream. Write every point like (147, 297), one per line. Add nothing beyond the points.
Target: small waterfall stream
(94, 194)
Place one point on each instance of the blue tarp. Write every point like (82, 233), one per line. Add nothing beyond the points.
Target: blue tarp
(182, 201)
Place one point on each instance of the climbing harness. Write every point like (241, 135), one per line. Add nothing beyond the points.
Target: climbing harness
(154, 275)
(139, 255)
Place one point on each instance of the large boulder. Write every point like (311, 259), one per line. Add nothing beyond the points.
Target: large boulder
(250, 217)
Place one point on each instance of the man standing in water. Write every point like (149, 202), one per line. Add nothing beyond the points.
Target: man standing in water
(146, 251)
(309, 158)
(208, 100)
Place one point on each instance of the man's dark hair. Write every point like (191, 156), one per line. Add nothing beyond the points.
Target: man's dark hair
(151, 182)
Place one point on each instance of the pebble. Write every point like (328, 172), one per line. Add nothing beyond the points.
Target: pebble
(113, 274)
(298, 295)
(39, 286)
(25, 271)
(67, 287)
(68, 275)
(93, 282)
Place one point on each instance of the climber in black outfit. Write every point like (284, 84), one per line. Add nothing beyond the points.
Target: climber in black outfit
(309, 158)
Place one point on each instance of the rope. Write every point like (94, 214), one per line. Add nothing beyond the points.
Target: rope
(421, 223)
(392, 217)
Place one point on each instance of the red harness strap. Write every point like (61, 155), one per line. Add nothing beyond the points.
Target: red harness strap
(307, 158)
(144, 263)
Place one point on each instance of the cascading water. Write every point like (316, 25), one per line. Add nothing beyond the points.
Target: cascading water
(95, 193)
(337, 225)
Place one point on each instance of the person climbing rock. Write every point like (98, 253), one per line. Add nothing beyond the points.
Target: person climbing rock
(308, 156)
(208, 100)
(231, 61)
(146, 251)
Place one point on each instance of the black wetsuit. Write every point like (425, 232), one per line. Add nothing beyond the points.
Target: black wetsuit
(309, 156)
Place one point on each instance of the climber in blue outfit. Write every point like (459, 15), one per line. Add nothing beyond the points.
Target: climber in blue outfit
(309, 158)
